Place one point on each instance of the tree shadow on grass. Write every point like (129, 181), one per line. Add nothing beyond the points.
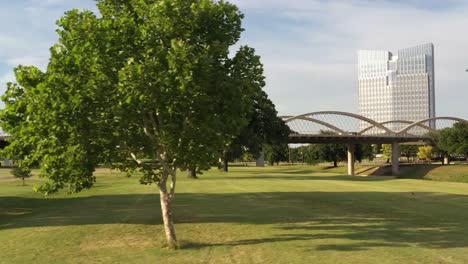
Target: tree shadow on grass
(303, 178)
(408, 171)
(304, 174)
(364, 219)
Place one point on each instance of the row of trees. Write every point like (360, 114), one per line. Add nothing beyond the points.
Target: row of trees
(316, 153)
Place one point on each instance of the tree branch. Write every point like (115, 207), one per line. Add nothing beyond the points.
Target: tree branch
(135, 158)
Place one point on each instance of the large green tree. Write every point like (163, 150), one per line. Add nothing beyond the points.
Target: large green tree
(455, 139)
(439, 149)
(264, 130)
(331, 152)
(275, 153)
(147, 85)
(363, 151)
(409, 151)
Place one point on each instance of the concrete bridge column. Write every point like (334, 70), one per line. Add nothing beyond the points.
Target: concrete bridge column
(395, 158)
(351, 160)
(261, 160)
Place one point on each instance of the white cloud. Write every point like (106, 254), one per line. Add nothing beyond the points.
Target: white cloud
(8, 77)
(317, 61)
(278, 4)
(309, 47)
(40, 62)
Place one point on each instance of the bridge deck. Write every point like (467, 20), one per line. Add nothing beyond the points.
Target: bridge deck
(350, 139)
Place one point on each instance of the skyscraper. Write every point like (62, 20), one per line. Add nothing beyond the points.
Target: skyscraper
(397, 87)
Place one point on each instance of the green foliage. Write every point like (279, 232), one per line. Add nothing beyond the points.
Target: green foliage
(409, 151)
(265, 130)
(387, 151)
(439, 149)
(21, 172)
(455, 139)
(247, 157)
(363, 151)
(330, 152)
(147, 86)
(426, 153)
(153, 79)
(276, 153)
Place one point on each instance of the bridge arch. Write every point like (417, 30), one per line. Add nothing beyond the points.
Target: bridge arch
(396, 122)
(320, 122)
(418, 123)
(356, 116)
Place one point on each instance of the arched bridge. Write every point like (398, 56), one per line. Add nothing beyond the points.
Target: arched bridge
(343, 127)
(349, 128)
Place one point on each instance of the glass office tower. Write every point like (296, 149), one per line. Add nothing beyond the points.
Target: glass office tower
(397, 87)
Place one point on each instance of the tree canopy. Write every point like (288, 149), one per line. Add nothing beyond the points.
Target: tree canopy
(455, 139)
(426, 153)
(264, 132)
(146, 85)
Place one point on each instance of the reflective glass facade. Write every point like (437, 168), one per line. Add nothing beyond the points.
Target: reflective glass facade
(397, 87)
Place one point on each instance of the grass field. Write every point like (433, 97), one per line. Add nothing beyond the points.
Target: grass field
(249, 215)
(436, 172)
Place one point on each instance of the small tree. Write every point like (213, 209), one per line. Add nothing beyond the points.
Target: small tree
(409, 151)
(455, 139)
(387, 152)
(363, 151)
(275, 153)
(21, 172)
(426, 153)
(439, 149)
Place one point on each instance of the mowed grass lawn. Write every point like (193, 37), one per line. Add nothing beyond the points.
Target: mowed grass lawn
(249, 215)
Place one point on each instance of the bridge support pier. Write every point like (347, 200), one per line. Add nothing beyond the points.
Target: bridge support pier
(261, 160)
(351, 160)
(395, 158)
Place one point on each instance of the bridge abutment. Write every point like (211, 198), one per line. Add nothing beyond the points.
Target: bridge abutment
(261, 160)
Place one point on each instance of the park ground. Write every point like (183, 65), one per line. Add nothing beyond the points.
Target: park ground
(285, 214)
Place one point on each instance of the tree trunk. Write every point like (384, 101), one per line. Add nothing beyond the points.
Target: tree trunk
(225, 165)
(166, 206)
(225, 161)
(192, 174)
(335, 163)
(166, 210)
(23, 182)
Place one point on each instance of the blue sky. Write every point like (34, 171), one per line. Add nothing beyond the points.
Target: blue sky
(309, 47)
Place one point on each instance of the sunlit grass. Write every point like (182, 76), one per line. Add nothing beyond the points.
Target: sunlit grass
(283, 214)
